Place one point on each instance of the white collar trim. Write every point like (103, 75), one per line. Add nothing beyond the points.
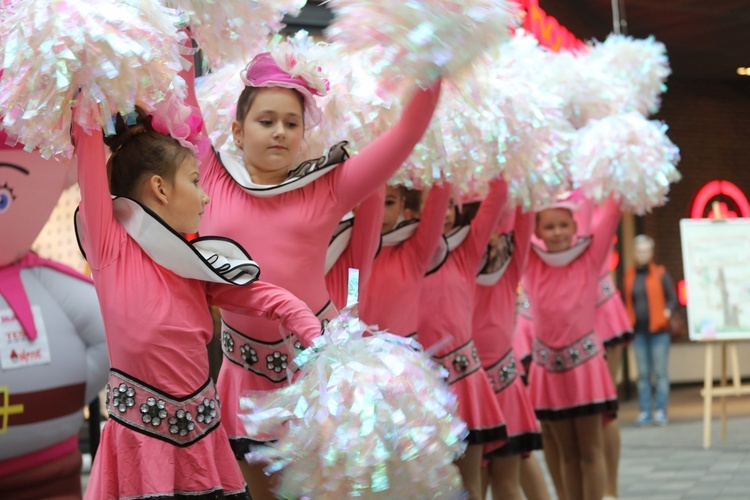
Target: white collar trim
(305, 173)
(212, 259)
(565, 257)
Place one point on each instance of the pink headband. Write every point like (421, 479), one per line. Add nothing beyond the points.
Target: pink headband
(570, 200)
(285, 69)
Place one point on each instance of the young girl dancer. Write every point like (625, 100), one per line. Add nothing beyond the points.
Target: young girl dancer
(445, 311)
(354, 246)
(391, 297)
(261, 194)
(569, 385)
(163, 438)
(493, 327)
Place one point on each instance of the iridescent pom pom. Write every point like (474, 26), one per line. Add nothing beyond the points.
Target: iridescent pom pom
(420, 40)
(589, 91)
(626, 156)
(643, 64)
(116, 53)
(217, 95)
(235, 30)
(369, 416)
(526, 119)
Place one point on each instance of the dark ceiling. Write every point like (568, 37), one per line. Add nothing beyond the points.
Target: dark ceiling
(705, 39)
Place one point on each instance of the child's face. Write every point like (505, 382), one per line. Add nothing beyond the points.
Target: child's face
(272, 132)
(186, 199)
(556, 227)
(450, 218)
(394, 207)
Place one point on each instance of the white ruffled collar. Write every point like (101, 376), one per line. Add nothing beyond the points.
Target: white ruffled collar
(207, 258)
(340, 240)
(492, 278)
(405, 230)
(565, 257)
(305, 173)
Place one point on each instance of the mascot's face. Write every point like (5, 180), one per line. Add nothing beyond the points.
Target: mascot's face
(29, 189)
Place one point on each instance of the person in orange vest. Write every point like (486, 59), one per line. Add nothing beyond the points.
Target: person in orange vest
(650, 299)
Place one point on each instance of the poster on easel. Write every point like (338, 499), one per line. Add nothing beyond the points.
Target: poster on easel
(716, 261)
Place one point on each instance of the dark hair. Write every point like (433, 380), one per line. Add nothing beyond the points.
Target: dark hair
(467, 213)
(138, 152)
(413, 200)
(248, 95)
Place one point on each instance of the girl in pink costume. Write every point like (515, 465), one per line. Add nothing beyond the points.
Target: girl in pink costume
(287, 215)
(354, 246)
(391, 298)
(445, 310)
(493, 327)
(163, 438)
(570, 385)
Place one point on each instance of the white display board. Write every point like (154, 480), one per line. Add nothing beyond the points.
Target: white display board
(716, 261)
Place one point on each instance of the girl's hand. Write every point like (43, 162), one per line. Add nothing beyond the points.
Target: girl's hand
(667, 313)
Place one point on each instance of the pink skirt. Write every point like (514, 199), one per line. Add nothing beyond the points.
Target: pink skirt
(612, 325)
(477, 405)
(523, 338)
(132, 465)
(521, 423)
(572, 381)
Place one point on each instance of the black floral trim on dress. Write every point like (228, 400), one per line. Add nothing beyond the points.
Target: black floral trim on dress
(608, 407)
(519, 444)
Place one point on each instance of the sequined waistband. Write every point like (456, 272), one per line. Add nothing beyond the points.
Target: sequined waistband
(568, 357)
(267, 359)
(460, 362)
(179, 421)
(502, 373)
(605, 290)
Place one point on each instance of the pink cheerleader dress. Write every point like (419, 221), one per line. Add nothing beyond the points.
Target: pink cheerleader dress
(446, 306)
(570, 378)
(524, 334)
(391, 298)
(164, 437)
(493, 326)
(353, 246)
(289, 228)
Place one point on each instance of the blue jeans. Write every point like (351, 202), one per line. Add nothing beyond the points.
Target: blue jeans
(652, 355)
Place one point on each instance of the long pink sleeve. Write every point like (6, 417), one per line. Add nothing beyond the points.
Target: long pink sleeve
(523, 229)
(608, 217)
(431, 223)
(366, 234)
(377, 162)
(269, 301)
(102, 234)
(485, 222)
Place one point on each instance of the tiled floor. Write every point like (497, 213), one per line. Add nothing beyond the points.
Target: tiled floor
(669, 463)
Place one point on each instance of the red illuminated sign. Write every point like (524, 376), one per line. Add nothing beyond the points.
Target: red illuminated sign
(720, 199)
(547, 29)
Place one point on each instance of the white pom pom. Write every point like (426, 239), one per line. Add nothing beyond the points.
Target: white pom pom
(368, 416)
(217, 95)
(420, 40)
(235, 30)
(590, 91)
(642, 64)
(118, 54)
(625, 156)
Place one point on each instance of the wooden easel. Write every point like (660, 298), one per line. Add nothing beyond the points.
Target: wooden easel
(709, 391)
(723, 390)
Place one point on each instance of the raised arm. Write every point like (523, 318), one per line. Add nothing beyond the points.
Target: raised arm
(269, 301)
(377, 162)
(523, 229)
(607, 221)
(102, 234)
(366, 234)
(485, 222)
(431, 223)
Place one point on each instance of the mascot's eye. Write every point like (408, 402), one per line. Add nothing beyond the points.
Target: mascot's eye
(6, 198)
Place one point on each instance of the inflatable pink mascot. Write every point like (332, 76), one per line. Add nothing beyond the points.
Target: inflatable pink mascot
(53, 356)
